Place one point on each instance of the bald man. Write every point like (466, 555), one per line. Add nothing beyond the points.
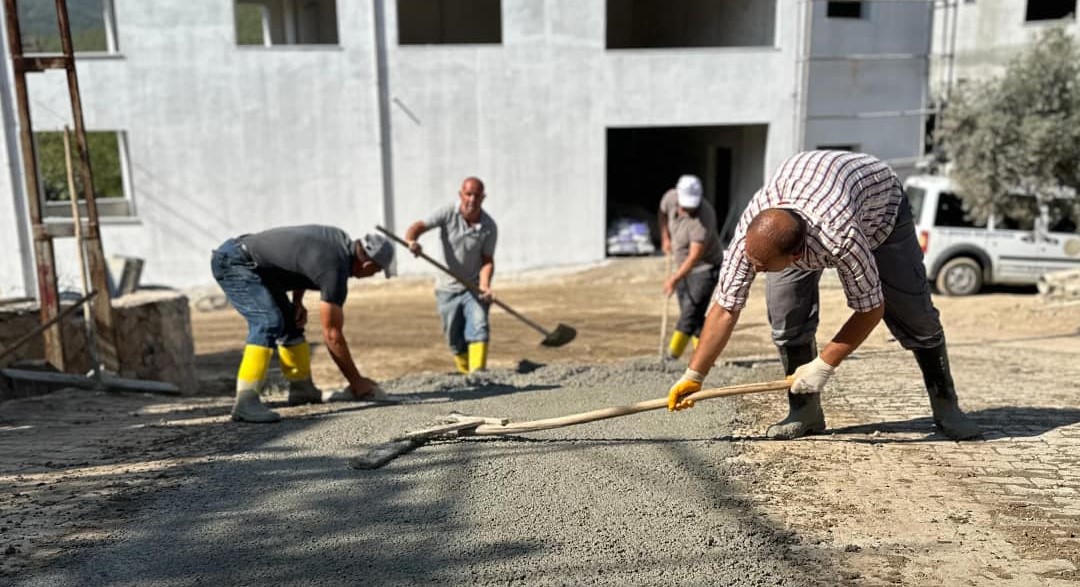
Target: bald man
(468, 236)
(846, 211)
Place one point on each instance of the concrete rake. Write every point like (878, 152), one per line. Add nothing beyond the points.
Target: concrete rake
(459, 425)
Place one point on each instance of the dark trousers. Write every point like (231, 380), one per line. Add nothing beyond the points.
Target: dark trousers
(695, 293)
(270, 315)
(792, 294)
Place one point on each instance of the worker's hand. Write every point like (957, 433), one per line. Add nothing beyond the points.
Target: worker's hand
(362, 387)
(301, 316)
(486, 295)
(669, 285)
(415, 248)
(689, 383)
(811, 377)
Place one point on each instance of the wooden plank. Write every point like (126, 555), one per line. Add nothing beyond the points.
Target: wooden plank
(109, 382)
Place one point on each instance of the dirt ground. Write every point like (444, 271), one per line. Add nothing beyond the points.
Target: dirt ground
(55, 503)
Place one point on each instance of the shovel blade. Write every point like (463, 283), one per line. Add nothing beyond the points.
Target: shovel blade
(560, 336)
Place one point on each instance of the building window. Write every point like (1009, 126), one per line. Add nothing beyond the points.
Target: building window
(108, 161)
(91, 22)
(447, 22)
(269, 23)
(851, 148)
(842, 9)
(1050, 10)
(662, 24)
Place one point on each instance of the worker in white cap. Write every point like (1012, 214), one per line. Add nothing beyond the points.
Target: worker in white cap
(258, 271)
(688, 232)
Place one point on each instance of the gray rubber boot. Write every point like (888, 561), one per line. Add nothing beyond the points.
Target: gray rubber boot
(248, 408)
(304, 392)
(937, 375)
(804, 409)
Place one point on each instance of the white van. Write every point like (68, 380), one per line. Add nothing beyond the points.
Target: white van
(961, 256)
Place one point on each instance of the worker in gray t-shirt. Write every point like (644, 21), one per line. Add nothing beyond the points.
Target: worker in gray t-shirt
(468, 236)
(688, 231)
(258, 271)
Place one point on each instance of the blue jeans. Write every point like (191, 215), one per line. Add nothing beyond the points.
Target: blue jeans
(464, 319)
(270, 315)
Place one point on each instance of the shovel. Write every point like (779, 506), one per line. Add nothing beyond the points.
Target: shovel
(461, 425)
(558, 337)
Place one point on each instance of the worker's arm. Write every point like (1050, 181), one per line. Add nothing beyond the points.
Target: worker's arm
(487, 271)
(719, 324)
(851, 335)
(299, 311)
(696, 251)
(811, 377)
(412, 233)
(333, 319)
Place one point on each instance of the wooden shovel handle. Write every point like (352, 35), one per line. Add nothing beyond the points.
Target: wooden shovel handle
(615, 412)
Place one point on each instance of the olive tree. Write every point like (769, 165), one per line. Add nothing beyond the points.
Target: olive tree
(1019, 132)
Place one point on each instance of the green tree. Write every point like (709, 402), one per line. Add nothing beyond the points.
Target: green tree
(104, 149)
(1019, 132)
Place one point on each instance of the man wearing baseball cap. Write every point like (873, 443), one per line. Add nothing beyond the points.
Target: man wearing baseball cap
(258, 271)
(688, 230)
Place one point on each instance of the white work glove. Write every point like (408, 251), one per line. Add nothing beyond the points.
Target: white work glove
(811, 377)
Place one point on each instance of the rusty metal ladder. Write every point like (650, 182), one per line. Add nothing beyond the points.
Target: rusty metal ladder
(89, 237)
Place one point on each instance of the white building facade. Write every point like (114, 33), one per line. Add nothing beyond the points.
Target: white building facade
(363, 112)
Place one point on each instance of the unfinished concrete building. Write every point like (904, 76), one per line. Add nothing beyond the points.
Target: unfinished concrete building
(222, 117)
(975, 40)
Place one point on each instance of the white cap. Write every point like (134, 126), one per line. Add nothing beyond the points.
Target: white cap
(689, 190)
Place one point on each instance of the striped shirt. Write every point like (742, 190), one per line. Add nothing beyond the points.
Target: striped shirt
(849, 202)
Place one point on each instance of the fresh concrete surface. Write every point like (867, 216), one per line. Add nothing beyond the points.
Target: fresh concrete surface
(643, 499)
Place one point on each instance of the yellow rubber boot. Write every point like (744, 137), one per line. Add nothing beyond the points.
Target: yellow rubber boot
(462, 362)
(677, 344)
(694, 341)
(296, 367)
(477, 356)
(249, 381)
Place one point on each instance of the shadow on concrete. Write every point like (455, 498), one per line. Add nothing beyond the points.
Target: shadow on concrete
(999, 422)
(280, 516)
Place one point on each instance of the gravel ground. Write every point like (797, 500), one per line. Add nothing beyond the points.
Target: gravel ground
(646, 499)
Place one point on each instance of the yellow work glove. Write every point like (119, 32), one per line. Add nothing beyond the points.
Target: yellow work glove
(689, 383)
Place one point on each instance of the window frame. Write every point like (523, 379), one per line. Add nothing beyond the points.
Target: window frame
(112, 48)
(109, 209)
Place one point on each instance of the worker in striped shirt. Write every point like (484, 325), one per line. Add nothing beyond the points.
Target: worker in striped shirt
(846, 211)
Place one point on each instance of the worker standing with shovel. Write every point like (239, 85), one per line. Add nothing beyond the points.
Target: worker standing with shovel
(468, 235)
(688, 231)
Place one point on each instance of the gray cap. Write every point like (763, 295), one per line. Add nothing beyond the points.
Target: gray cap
(380, 250)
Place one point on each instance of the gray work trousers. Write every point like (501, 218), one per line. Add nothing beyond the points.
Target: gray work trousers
(694, 294)
(792, 298)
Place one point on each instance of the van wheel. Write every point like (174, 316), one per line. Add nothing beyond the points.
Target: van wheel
(962, 276)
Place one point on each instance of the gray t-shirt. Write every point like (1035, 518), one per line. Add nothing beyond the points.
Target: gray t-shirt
(304, 257)
(689, 229)
(463, 246)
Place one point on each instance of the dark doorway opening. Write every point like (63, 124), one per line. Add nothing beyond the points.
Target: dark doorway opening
(644, 163)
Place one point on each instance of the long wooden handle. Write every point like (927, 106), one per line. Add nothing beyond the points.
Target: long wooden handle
(471, 287)
(615, 412)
